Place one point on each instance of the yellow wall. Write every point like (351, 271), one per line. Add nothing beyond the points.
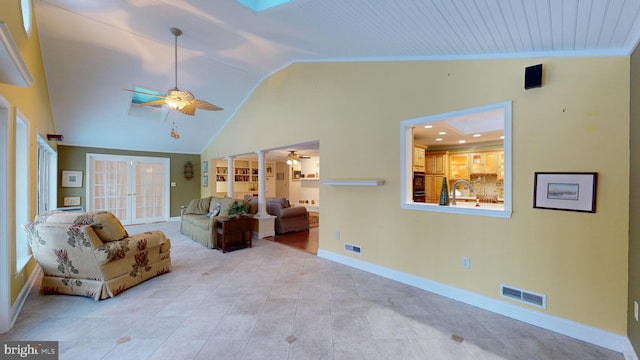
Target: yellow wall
(33, 104)
(578, 121)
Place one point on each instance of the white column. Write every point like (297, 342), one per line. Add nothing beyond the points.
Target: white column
(230, 177)
(262, 184)
(264, 224)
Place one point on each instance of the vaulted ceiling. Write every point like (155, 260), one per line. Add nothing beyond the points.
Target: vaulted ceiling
(93, 49)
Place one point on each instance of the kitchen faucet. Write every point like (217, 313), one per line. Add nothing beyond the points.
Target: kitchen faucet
(453, 189)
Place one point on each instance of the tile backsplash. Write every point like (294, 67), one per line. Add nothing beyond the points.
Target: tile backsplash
(483, 184)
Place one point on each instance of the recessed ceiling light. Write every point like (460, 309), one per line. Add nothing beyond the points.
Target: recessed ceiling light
(428, 126)
(442, 133)
(461, 141)
(477, 135)
(438, 139)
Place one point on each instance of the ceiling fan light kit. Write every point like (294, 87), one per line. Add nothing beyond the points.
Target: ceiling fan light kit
(174, 131)
(292, 158)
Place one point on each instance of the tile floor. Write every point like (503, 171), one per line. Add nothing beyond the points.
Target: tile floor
(277, 302)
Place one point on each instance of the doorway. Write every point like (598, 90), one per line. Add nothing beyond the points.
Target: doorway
(134, 188)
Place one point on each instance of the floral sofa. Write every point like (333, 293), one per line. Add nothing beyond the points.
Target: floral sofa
(199, 219)
(91, 254)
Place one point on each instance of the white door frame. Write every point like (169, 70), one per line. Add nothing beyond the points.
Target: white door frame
(131, 160)
(6, 321)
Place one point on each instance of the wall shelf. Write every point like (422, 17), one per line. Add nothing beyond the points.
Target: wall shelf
(357, 182)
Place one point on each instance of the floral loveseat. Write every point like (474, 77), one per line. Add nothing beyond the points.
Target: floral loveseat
(91, 254)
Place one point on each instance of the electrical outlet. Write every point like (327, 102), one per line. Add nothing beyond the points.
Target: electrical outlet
(466, 263)
(337, 235)
(635, 310)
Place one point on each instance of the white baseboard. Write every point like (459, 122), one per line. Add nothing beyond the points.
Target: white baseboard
(24, 294)
(175, 218)
(590, 334)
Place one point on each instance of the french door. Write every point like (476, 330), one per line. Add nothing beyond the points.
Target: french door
(134, 188)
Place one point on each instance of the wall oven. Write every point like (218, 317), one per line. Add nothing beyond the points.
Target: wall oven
(418, 187)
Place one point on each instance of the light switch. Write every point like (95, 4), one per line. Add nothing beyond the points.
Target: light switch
(173, 183)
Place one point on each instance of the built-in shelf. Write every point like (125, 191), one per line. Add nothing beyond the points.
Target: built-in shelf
(352, 182)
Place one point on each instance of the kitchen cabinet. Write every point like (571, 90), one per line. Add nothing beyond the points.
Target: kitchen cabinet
(435, 163)
(484, 163)
(432, 187)
(459, 166)
(418, 157)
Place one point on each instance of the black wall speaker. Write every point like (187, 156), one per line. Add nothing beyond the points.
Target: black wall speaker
(533, 76)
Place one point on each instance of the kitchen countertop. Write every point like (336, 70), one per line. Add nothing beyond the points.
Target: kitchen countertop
(472, 205)
(469, 198)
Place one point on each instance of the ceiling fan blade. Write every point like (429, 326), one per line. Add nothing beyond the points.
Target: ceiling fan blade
(153, 103)
(145, 93)
(188, 110)
(203, 105)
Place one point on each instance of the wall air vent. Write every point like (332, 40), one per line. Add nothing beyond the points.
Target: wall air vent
(524, 296)
(352, 248)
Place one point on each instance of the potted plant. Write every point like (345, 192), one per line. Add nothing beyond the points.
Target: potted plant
(237, 209)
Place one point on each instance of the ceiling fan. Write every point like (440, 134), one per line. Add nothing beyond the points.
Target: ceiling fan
(176, 99)
(293, 157)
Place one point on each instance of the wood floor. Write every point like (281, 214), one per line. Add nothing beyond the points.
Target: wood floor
(303, 240)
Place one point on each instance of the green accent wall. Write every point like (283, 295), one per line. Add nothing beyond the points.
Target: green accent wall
(75, 158)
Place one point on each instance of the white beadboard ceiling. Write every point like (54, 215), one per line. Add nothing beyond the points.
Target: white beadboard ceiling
(93, 49)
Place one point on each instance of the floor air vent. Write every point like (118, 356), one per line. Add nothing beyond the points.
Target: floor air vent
(524, 296)
(352, 248)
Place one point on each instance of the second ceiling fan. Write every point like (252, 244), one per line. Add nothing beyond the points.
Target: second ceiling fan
(176, 99)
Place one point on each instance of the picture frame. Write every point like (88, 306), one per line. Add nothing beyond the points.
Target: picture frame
(297, 174)
(71, 201)
(205, 166)
(269, 170)
(569, 191)
(205, 181)
(71, 178)
(280, 176)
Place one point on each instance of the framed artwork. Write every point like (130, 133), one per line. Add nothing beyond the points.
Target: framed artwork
(71, 178)
(565, 191)
(205, 181)
(280, 176)
(205, 166)
(297, 174)
(269, 171)
(71, 201)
